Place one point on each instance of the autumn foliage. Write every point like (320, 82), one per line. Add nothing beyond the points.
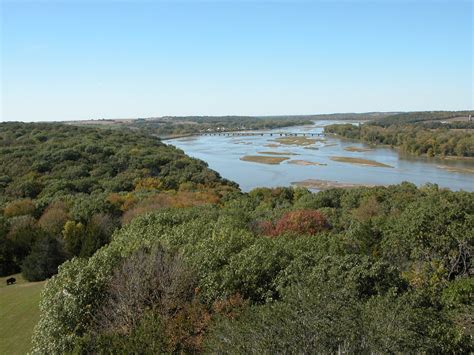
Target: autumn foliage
(180, 199)
(19, 208)
(299, 222)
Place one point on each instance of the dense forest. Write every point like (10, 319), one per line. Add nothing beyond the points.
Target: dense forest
(65, 189)
(157, 253)
(366, 270)
(421, 133)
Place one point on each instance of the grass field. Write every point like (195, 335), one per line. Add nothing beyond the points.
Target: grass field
(19, 312)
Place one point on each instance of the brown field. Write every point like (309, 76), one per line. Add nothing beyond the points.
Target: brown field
(359, 161)
(264, 159)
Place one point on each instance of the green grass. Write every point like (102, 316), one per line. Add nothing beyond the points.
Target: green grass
(19, 313)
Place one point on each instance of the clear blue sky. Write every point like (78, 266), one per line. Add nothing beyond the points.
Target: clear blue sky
(64, 60)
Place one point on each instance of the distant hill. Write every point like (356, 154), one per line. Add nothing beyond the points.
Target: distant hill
(423, 116)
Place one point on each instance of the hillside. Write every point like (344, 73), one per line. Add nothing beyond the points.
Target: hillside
(65, 189)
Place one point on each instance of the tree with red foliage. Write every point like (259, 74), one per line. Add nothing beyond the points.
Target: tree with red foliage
(300, 222)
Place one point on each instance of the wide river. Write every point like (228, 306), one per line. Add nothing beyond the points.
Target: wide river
(223, 154)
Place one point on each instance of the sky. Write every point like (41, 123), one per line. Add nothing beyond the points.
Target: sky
(69, 60)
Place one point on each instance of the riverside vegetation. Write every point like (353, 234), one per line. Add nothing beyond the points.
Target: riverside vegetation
(420, 133)
(165, 256)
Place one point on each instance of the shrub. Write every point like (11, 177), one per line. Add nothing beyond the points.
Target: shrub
(145, 280)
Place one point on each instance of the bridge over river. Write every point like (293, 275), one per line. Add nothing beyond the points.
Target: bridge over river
(271, 134)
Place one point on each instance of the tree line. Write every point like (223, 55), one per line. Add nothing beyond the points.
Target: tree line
(414, 139)
(409, 118)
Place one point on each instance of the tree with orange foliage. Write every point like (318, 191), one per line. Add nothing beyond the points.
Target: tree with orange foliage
(19, 208)
(54, 218)
(149, 183)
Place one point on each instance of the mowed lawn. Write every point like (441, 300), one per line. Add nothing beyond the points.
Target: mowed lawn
(19, 312)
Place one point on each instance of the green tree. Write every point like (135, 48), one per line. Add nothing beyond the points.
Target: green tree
(73, 236)
(44, 259)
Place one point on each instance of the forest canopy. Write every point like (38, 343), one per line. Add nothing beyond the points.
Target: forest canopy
(374, 270)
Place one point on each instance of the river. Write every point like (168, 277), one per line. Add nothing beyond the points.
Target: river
(224, 153)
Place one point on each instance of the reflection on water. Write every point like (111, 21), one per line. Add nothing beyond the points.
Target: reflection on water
(223, 154)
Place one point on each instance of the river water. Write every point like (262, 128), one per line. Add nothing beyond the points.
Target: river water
(223, 154)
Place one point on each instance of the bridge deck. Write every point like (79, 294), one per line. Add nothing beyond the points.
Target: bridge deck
(271, 134)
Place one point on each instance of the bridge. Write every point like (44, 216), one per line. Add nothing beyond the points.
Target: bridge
(271, 134)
